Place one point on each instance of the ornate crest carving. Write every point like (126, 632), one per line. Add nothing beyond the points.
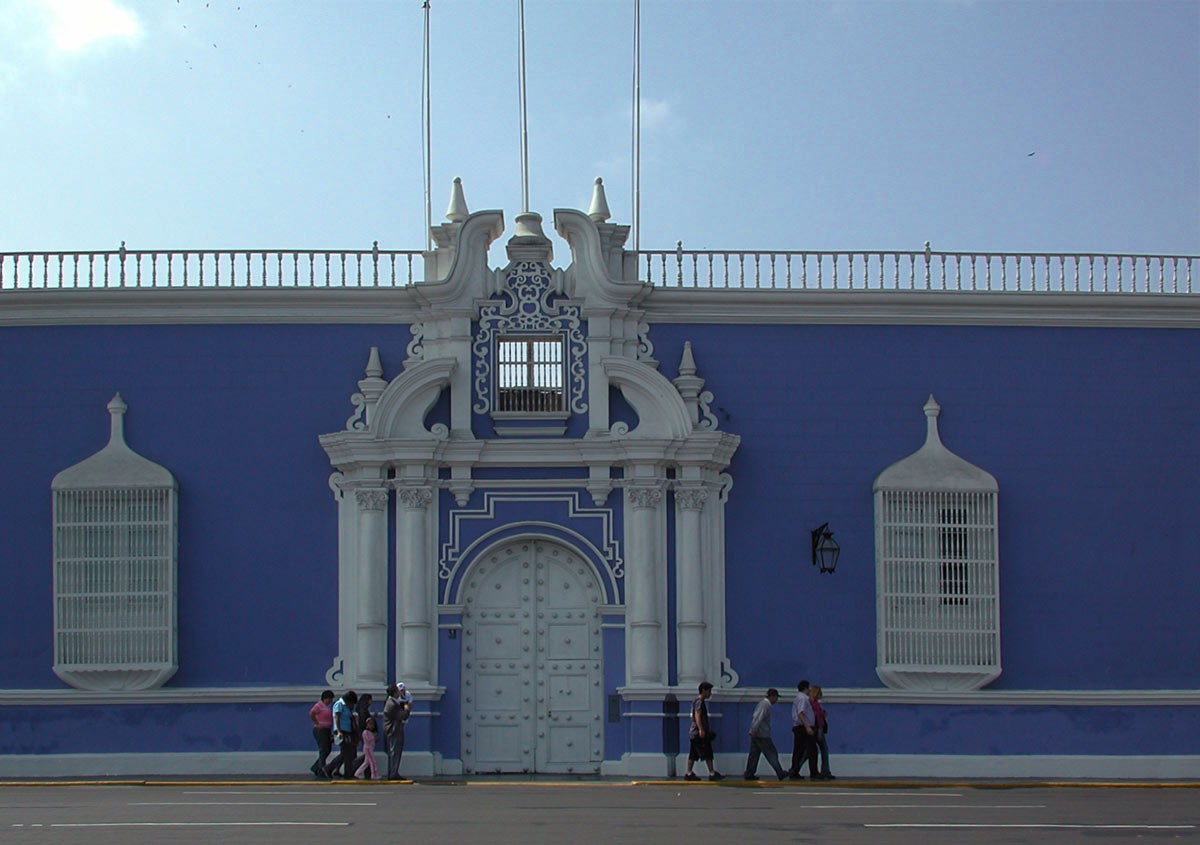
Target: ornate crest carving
(531, 307)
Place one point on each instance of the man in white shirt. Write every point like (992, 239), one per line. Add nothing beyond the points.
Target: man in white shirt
(804, 746)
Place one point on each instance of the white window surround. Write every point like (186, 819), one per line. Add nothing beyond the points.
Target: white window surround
(936, 570)
(115, 561)
(388, 454)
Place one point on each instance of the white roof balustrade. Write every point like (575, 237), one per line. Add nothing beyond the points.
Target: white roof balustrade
(822, 270)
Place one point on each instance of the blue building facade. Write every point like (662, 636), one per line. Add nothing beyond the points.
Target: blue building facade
(553, 499)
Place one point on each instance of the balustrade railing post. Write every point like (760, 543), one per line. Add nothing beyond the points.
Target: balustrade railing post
(928, 260)
(679, 263)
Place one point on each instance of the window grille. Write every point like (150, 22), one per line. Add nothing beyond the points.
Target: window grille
(937, 573)
(937, 570)
(114, 579)
(530, 375)
(115, 560)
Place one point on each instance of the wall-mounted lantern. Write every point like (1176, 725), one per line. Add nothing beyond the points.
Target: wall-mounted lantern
(824, 550)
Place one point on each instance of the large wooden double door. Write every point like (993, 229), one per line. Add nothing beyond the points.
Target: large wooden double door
(531, 661)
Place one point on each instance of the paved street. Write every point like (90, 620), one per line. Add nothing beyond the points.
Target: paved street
(584, 812)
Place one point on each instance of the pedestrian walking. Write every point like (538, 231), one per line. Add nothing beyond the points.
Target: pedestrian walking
(367, 770)
(396, 711)
(760, 738)
(701, 736)
(820, 729)
(321, 715)
(804, 747)
(362, 712)
(343, 733)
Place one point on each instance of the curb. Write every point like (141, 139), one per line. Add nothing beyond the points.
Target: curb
(673, 782)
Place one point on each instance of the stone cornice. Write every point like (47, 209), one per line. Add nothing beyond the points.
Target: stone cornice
(903, 307)
(184, 306)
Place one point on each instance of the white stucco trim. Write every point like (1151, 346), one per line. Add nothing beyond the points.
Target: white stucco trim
(398, 306)
(982, 698)
(907, 767)
(948, 308)
(292, 765)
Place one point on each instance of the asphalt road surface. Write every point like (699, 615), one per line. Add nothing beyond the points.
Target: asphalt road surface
(586, 812)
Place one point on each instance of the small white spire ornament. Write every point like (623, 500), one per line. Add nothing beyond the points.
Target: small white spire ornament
(598, 210)
(457, 211)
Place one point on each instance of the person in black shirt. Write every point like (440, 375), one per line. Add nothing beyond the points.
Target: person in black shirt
(701, 736)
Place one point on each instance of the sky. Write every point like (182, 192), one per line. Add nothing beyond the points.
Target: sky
(825, 125)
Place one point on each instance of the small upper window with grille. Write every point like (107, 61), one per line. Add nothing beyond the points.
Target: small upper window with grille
(115, 565)
(529, 378)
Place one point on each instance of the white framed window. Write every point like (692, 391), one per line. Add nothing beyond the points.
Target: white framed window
(530, 377)
(937, 570)
(115, 561)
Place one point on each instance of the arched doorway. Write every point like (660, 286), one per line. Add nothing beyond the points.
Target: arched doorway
(531, 660)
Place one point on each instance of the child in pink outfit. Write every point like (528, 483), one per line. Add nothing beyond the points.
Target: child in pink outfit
(368, 741)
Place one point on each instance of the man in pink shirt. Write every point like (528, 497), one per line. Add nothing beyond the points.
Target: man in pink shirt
(321, 715)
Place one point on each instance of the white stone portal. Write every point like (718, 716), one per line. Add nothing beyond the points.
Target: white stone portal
(666, 468)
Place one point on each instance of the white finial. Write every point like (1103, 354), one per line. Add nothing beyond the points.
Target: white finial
(457, 212)
(117, 408)
(932, 409)
(598, 210)
(374, 367)
(687, 364)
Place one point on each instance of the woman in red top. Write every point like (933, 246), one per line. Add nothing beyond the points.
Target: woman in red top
(821, 727)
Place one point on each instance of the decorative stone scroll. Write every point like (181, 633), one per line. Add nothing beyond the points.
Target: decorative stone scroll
(531, 307)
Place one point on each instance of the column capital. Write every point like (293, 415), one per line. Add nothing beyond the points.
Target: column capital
(414, 498)
(644, 498)
(691, 498)
(371, 499)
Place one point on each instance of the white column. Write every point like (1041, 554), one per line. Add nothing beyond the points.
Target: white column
(371, 605)
(413, 568)
(641, 587)
(689, 594)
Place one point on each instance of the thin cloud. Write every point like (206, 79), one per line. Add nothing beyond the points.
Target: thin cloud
(656, 114)
(40, 35)
(76, 25)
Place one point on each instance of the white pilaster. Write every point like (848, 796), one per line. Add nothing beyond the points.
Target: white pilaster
(371, 625)
(414, 607)
(690, 584)
(642, 606)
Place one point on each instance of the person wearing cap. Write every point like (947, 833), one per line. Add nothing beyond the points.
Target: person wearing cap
(760, 738)
(396, 711)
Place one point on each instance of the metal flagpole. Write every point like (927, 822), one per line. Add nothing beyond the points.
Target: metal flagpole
(637, 121)
(524, 114)
(426, 131)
